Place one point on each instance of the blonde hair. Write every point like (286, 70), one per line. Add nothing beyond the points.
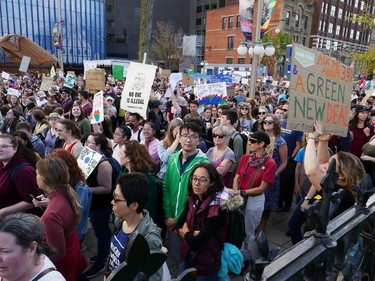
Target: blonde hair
(169, 138)
(346, 162)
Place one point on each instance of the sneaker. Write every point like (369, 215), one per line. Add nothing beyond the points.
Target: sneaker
(92, 259)
(93, 271)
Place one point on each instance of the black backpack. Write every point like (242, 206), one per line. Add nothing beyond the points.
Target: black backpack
(236, 228)
(244, 141)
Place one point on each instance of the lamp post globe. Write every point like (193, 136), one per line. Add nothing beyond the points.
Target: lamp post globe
(258, 49)
(269, 51)
(242, 50)
(251, 51)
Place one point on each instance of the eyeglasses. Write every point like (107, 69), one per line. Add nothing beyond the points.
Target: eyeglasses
(89, 142)
(6, 145)
(262, 112)
(253, 141)
(268, 122)
(116, 200)
(218, 136)
(245, 108)
(192, 137)
(198, 180)
(285, 110)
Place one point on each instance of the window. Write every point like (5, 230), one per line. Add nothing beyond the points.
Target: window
(330, 27)
(320, 25)
(204, 20)
(333, 10)
(324, 26)
(351, 33)
(296, 38)
(305, 22)
(357, 36)
(223, 23)
(229, 60)
(198, 21)
(326, 9)
(304, 41)
(110, 37)
(110, 23)
(356, 2)
(199, 9)
(296, 23)
(206, 8)
(241, 60)
(339, 15)
(230, 42)
(338, 27)
(110, 8)
(362, 5)
(230, 22)
(122, 38)
(287, 18)
(322, 10)
(238, 23)
(213, 6)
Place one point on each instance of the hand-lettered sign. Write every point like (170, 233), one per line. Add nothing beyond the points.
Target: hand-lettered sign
(320, 89)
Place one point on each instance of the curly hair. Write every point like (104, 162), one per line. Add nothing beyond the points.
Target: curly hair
(140, 159)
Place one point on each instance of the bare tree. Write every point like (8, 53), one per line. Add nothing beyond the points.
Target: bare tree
(166, 45)
(145, 29)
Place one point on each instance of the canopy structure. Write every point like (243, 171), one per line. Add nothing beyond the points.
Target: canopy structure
(13, 47)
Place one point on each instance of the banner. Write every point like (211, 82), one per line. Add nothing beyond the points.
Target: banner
(320, 89)
(87, 160)
(24, 66)
(98, 108)
(268, 8)
(47, 83)
(220, 77)
(246, 18)
(215, 93)
(118, 72)
(95, 80)
(136, 92)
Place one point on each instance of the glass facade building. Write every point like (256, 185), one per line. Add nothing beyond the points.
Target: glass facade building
(83, 25)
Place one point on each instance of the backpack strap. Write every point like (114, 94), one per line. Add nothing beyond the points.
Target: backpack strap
(16, 169)
(139, 134)
(44, 272)
(231, 139)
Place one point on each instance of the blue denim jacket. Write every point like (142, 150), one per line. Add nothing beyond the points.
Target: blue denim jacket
(84, 195)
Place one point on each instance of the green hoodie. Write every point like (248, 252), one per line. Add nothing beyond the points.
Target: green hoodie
(175, 186)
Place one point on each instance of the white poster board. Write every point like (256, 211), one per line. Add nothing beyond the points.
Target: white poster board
(24, 66)
(214, 93)
(87, 65)
(87, 160)
(136, 92)
(98, 108)
(5, 75)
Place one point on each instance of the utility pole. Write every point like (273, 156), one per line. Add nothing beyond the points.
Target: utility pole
(61, 59)
(145, 30)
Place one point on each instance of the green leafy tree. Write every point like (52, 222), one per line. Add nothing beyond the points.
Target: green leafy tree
(366, 18)
(166, 46)
(279, 41)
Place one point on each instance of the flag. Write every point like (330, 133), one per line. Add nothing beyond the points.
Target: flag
(268, 8)
(246, 18)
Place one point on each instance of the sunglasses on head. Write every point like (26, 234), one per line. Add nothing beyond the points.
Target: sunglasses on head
(218, 136)
(253, 141)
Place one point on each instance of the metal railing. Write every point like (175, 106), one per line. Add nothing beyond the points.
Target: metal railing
(339, 249)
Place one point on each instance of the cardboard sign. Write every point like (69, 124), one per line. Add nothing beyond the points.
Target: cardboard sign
(87, 65)
(187, 80)
(320, 89)
(87, 160)
(98, 108)
(165, 72)
(24, 66)
(215, 93)
(231, 91)
(136, 92)
(47, 83)
(95, 80)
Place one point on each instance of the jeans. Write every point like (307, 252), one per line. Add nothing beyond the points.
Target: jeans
(253, 214)
(100, 224)
(296, 221)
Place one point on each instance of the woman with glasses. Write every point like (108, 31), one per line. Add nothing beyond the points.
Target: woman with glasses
(254, 175)
(61, 217)
(245, 118)
(221, 156)
(278, 150)
(69, 133)
(202, 224)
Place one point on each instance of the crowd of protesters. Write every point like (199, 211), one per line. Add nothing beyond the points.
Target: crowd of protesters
(165, 174)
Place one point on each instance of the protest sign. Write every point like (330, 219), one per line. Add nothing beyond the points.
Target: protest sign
(236, 78)
(24, 66)
(231, 91)
(136, 92)
(47, 82)
(215, 93)
(72, 73)
(187, 80)
(95, 79)
(12, 91)
(5, 75)
(174, 78)
(221, 77)
(98, 108)
(69, 81)
(88, 65)
(320, 89)
(87, 160)
(165, 72)
(118, 72)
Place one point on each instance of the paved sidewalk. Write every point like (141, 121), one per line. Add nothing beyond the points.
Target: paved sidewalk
(275, 233)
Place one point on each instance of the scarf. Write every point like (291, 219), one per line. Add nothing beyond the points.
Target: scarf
(258, 162)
